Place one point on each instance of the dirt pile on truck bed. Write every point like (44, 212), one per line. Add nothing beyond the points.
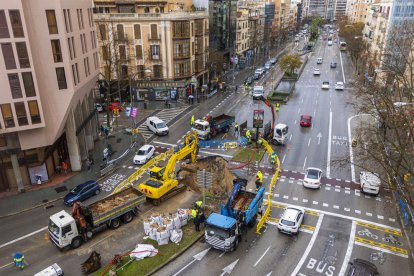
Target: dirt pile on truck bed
(110, 203)
(222, 177)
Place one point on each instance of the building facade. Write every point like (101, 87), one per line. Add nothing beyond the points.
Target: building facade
(242, 34)
(162, 44)
(49, 66)
(327, 9)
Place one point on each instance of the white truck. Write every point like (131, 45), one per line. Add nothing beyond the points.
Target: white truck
(258, 92)
(280, 134)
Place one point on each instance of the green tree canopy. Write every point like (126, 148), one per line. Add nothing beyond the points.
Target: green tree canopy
(289, 63)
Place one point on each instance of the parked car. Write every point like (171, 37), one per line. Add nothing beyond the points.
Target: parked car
(305, 121)
(339, 85)
(268, 65)
(290, 220)
(144, 154)
(325, 85)
(360, 267)
(333, 64)
(312, 178)
(319, 60)
(260, 71)
(273, 60)
(82, 192)
(370, 183)
(99, 107)
(317, 71)
(157, 126)
(256, 76)
(330, 43)
(249, 80)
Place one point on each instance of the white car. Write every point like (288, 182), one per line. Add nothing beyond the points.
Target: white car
(290, 220)
(339, 85)
(144, 154)
(312, 178)
(319, 60)
(99, 107)
(370, 183)
(268, 65)
(273, 60)
(330, 43)
(317, 71)
(259, 71)
(157, 126)
(325, 85)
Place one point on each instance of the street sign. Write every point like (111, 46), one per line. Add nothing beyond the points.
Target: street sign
(128, 111)
(258, 117)
(193, 80)
(134, 112)
(204, 179)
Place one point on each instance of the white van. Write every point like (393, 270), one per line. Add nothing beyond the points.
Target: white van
(319, 60)
(157, 126)
(258, 92)
(370, 183)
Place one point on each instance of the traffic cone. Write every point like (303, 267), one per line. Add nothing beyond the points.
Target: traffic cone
(46, 236)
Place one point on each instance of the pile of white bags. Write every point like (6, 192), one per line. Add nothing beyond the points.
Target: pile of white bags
(163, 228)
(144, 250)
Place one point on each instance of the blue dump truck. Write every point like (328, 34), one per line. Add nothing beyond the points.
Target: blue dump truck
(224, 230)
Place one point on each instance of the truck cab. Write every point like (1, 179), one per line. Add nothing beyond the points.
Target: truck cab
(62, 229)
(221, 232)
(202, 128)
(258, 92)
(280, 134)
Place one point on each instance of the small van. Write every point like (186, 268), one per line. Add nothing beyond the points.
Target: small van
(330, 43)
(319, 60)
(157, 126)
(258, 92)
(370, 183)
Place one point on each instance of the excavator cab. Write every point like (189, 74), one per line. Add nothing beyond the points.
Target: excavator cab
(157, 172)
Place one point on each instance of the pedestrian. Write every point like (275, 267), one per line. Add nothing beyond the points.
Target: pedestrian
(18, 259)
(202, 219)
(237, 88)
(259, 180)
(249, 137)
(89, 164)
(236, 130)
(102, 131)
(192, 121)
(65, 167)
(197, 223)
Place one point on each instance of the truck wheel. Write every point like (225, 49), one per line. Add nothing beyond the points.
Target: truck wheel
(97, 192)
(252, 222)
(226, 129)
(127, 218)
(115, 223)
(236, 244)
(76, 242)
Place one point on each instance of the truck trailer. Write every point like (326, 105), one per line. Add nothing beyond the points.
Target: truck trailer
(224, 230)
(71, 230)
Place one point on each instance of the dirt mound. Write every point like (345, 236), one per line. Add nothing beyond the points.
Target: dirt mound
(218, 166)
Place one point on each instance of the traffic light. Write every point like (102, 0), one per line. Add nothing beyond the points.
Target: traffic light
(116, 111)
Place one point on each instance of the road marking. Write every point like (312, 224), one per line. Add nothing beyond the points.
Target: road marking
(23, 237)
(165, 144)
(221, 255)
(357, 211)
(349, 249)
(325, 204)
(337, 190)
(391, 219)
(303, 228)
(309, 142)
(309, 247)
(295, 199)
(315, 202)
(380, 217)
(261, 257)
(215, 153)
(336, 207)
(328, 162)
(283, 160)
(304, 200)
(347, 209)
(304, 163)
(286, 197)
(277, 195)
(290, 138)
(348, 192)
(357, 193)
(381, 247)
(368, 214)
(282, 205)
(379, 228)
(342, 66)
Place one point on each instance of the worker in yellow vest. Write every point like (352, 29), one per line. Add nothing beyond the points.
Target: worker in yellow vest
(192, 120)
(248, 136)
(259, 180)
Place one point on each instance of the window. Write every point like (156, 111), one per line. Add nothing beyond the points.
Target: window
(72, 40)
(15, 88)
(84, 42)
(66, 229)
(181, 29)
(21, 114)
(192, 29)
(95, 60)
(154, 32)
(181, 69)
(81, 18)
(93, 41)
(6, 111)
(4, 29)
(122, 52)
(22, 55)
(16, 23)
(102, 32)
(120, 31)
(105, 54)
(70, 48)
(57, 52)
(61, 78)
(137, 31)
(124, 71)
(155, 52)
(157, 71)
(8, 56)
(140, 71)
(3, 141)
(65, 15)
(86, 64)
(146, 10)
(28, 84)
(34, 112)
(138, 51)
(51, 21)
(181, 48)
(70, 20)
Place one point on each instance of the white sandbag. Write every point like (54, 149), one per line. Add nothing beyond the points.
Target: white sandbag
(143, 250)
(168, 224)
(153, 231)
(183, 219)
(156, 217)
(176, 235)
(163, 236)
(147, 223)
(176, 221)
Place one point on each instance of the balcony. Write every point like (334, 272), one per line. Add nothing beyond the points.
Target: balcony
(154, 37)
(150, 16)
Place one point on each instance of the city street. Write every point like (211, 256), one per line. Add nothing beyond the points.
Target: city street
(340, 222)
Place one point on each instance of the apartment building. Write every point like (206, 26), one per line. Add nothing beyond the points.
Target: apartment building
(327, 9)
(242, 33)
(48, 68)
(158, 46)
(256, 28)
(357, 10)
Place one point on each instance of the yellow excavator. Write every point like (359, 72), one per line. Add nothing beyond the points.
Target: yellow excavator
(162, 183)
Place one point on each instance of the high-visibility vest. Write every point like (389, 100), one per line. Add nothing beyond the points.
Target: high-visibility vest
(199, 203)
(192, 119)
(194, 213)
(248, 133)
(260, 176)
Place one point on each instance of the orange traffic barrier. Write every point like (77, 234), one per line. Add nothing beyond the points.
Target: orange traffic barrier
(46, 236)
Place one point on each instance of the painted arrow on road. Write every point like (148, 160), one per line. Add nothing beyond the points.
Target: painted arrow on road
(319, 137)
(228, 269)
(197, 257)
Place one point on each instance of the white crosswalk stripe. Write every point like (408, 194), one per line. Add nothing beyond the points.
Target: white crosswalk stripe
(166, 115)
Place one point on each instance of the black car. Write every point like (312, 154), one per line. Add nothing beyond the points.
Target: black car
(249, 80)
(359, 267)
(256, 76)
(333, 64)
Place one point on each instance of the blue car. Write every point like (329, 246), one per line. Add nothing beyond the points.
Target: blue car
(82, 192)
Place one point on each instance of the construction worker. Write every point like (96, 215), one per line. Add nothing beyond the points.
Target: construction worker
(198, 205)
(236, 130)
(259, 180)
(248, 136)
(18, 259)
(277, 107)
(273, 157)
(192, 120)
(246, 87)
(194, 213)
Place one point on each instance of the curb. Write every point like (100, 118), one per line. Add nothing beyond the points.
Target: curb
(175, 256)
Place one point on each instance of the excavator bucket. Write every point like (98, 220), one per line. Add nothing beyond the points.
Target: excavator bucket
(92, 264)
